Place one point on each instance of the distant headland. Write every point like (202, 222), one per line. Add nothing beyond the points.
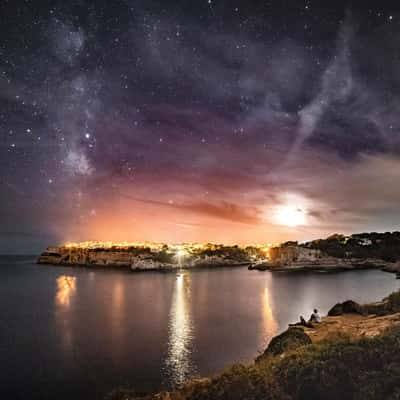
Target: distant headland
(154, 256)
(337, 252)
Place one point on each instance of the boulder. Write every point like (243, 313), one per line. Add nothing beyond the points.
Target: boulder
(351, 307)
(337, 309)
(347, 307)
(289, 340)
(378, 308)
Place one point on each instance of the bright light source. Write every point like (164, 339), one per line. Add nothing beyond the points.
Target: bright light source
(290, 215)
(291, 210)
(181, 253)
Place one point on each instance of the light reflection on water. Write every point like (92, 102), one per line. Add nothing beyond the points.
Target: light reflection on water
(178, 363)
(270, 325)
(118, 315)
(66, 288)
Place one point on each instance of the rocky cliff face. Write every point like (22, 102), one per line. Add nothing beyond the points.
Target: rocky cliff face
(144, 258)
(285, 255)
(362, 250)
(294, 257)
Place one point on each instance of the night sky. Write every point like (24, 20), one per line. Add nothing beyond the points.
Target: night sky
(222, 121)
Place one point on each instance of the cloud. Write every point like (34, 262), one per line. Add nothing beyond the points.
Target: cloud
(222, 210)
(225, 210)
(336, 86)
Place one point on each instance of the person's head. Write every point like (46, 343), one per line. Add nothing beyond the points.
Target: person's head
(315, 311)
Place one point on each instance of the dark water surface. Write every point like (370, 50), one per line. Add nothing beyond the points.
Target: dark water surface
(69, 333)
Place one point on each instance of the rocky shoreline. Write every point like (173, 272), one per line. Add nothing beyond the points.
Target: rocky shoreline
(330, 266)
(297, 258)
(337, 253)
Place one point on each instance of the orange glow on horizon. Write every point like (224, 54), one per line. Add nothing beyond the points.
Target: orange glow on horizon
(181, 249)
(146, 223)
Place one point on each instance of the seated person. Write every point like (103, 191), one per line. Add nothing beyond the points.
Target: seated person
(302, 322)
(315, 317)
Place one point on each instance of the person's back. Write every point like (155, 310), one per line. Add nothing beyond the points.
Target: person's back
(315, 317)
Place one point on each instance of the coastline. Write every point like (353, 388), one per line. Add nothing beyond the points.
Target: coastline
(333, 254)
(336, 266)
(145, 261)
(318, 268)
(151, 257)
(134, 269)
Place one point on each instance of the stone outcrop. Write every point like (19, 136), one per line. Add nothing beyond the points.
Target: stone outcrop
(337, 252)
(347, 307)
(352, 325)
(284, 255)
(294, 257)
(291, 339)
(392, 267)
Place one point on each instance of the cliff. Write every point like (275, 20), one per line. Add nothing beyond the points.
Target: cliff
(351, 356)
(151, 256)
(359, 251)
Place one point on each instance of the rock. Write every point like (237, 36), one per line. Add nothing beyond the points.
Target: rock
(351, 307)
(289, 340)
(378, 308)
(259, 267)
(392, 267)
(347, 307)
(337, 309)
(392, 302)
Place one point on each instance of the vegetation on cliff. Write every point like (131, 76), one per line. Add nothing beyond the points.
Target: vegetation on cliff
(160, 256)
(383, 246)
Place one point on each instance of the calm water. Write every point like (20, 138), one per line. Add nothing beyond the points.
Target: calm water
(77, 333)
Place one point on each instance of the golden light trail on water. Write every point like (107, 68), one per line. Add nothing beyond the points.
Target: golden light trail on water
(66, 287)
(179, 361)
(270, 325)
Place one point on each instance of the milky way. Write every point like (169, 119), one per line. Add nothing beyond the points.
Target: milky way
(197, 120)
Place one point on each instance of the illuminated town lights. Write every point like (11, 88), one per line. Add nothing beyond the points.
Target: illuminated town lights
(181, 253)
